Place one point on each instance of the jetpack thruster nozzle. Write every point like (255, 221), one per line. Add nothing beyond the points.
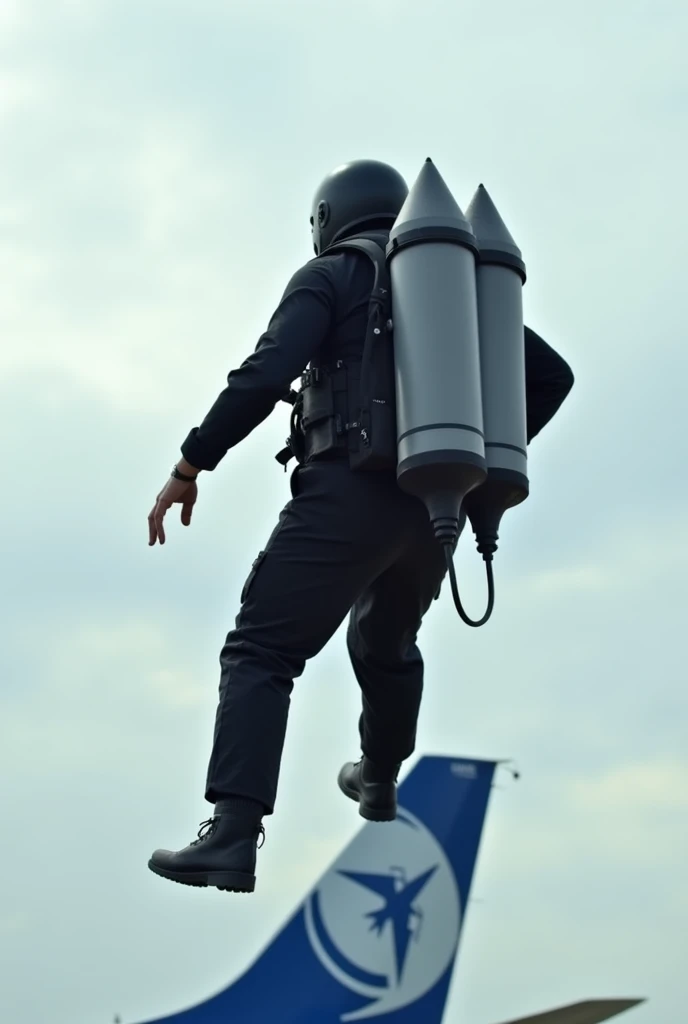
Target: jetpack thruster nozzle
(431, 256)
(500, 277)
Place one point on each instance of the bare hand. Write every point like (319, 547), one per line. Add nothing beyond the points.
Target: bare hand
(174, 492)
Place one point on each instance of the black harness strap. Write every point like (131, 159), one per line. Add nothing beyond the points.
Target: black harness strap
(360, 377)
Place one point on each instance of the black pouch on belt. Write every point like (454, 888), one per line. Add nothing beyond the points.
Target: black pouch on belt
(320, 423)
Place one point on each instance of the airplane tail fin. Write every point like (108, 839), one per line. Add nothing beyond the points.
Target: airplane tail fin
(377, 936)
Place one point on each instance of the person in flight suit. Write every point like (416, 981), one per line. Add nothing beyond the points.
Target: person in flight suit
(346, 544)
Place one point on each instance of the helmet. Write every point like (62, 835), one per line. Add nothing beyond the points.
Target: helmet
(364, 193)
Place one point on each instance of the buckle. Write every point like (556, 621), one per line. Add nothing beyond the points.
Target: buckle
(286, 455)
(311, 377)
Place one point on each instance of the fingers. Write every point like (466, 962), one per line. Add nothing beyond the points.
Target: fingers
(173, 491)
(156, 528)
(158, 518)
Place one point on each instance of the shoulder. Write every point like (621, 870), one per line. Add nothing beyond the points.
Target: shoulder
(323, 275)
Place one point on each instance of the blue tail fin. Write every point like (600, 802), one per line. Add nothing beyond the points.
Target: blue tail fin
(376, 939)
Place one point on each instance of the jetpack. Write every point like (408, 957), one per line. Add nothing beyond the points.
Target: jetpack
(459, 365)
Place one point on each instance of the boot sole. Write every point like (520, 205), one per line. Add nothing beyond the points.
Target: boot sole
(227, 881)
(365, 810)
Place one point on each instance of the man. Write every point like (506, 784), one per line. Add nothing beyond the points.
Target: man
(348, 543)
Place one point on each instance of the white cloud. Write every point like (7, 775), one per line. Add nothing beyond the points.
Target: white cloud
(16, 91)
(641, 787)
(17, 921)
(582, 579)
(10, 11)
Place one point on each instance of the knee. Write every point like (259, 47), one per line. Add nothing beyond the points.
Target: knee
(245, 655)
(382, 647)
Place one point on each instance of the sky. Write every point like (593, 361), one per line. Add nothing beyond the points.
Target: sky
(158, 164)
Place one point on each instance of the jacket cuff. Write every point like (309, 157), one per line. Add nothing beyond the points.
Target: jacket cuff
(197, 453)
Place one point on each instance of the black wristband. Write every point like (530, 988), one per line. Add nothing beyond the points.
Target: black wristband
(182, 476)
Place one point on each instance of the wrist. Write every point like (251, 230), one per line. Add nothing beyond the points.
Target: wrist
(186, 469)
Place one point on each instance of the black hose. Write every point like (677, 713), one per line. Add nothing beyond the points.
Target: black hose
(449, 555)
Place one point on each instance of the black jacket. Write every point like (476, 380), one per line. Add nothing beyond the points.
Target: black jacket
(322, 316)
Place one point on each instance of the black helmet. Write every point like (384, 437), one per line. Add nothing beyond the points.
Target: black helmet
(354, 196)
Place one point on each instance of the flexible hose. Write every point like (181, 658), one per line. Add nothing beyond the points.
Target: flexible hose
(449, 556)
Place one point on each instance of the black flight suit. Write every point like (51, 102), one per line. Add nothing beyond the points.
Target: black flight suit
(347, 543)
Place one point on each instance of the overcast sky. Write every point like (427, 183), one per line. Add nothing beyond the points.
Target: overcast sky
(157, 165)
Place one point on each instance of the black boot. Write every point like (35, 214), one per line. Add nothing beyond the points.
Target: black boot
(374, 787)
(224, 855)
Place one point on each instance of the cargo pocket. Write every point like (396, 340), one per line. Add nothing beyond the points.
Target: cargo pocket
(251, 576)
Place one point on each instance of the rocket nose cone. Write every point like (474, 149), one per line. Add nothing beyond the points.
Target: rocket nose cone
(488, 227)
(430, 204)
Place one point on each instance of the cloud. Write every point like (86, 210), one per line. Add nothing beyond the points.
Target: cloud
(646, 787)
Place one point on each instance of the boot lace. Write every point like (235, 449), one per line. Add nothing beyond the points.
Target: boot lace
(205, 831)
(208, 828)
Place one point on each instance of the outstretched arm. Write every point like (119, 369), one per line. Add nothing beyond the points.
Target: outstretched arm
(298, 327)
(549, 379)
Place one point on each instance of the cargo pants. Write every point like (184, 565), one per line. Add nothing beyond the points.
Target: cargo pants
(347, 543)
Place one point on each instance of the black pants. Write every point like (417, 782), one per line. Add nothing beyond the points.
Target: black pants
(346, 542)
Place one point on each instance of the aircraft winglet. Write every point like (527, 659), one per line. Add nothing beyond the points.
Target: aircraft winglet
(592, 1011)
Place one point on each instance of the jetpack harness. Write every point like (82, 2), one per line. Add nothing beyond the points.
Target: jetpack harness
(349, 407)
(440, 391)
